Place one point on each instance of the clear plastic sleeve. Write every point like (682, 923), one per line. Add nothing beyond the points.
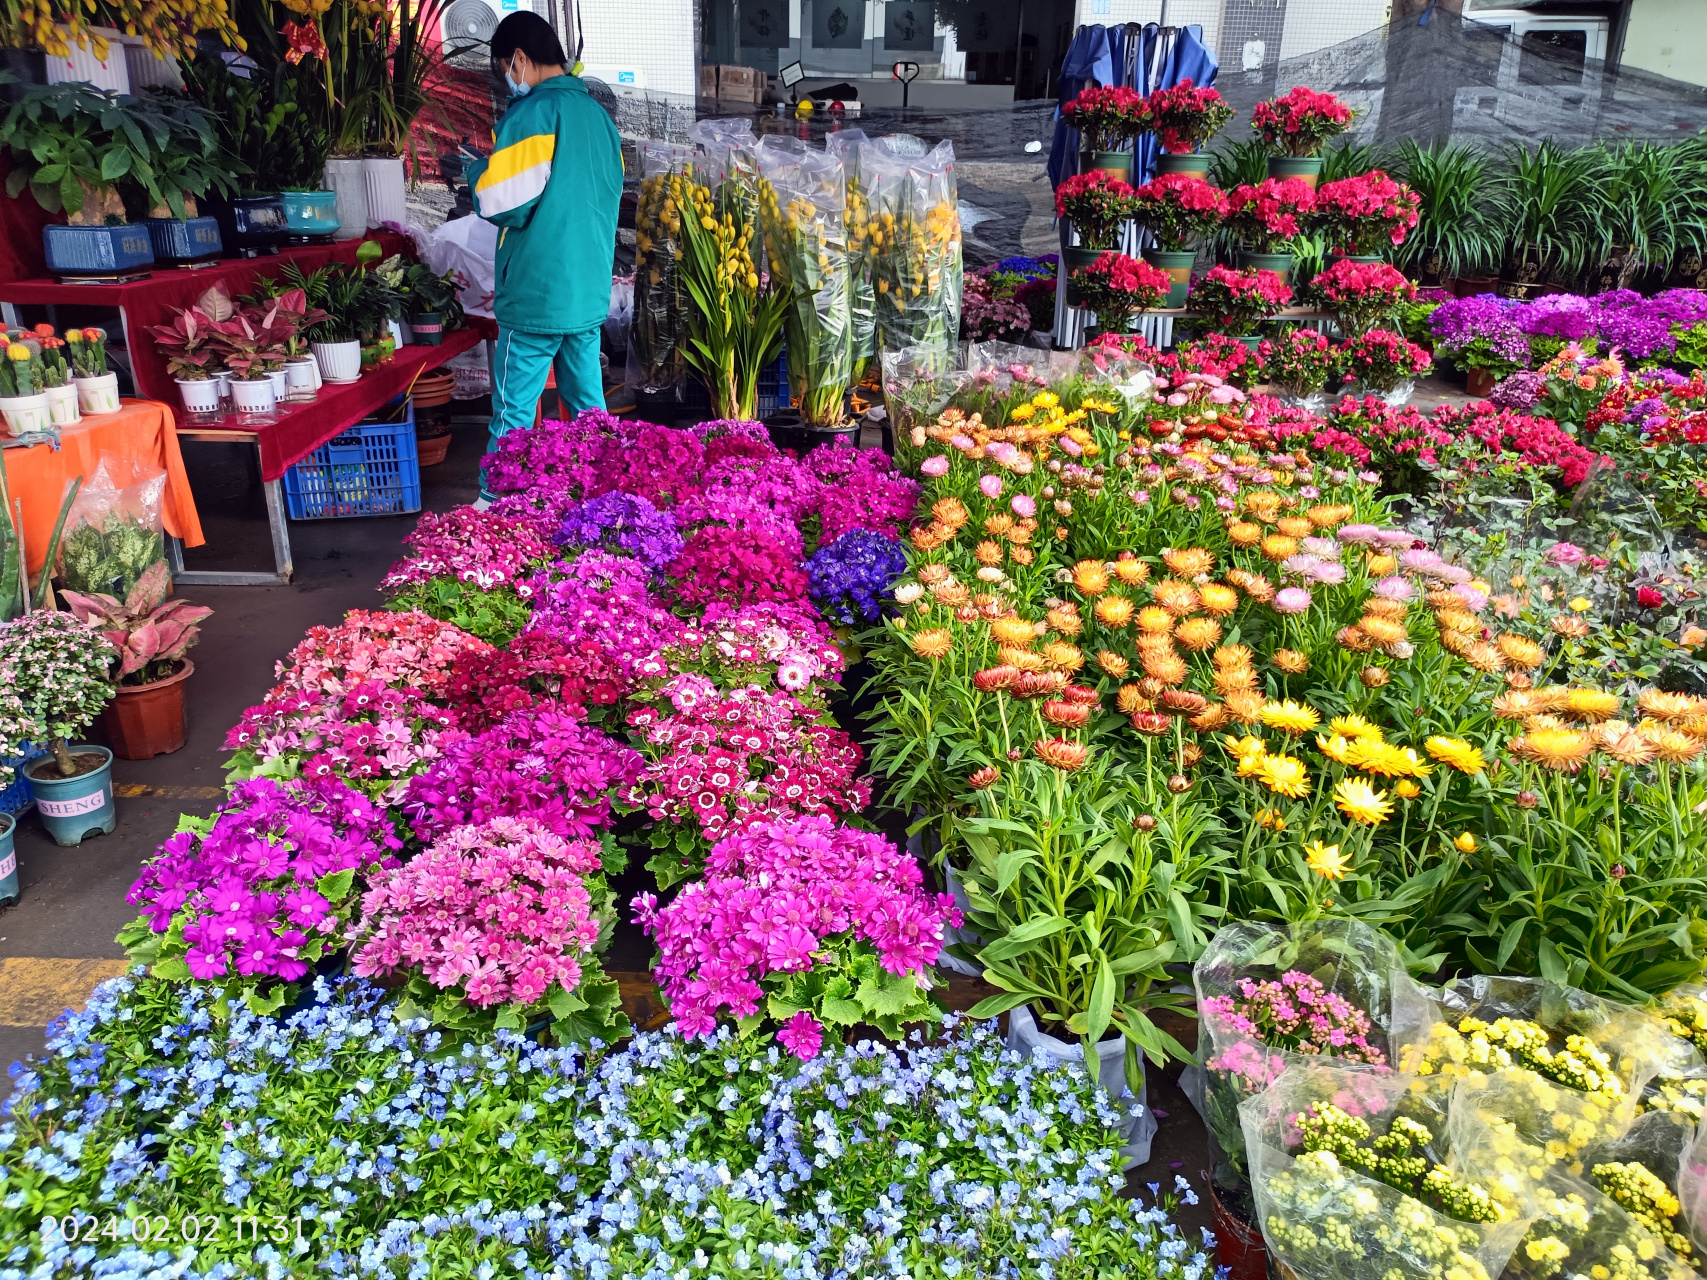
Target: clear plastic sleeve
(913, 238)
(803, 205)
(1349, 959)
(655, 332)
(114, 530)
(862, 294)
(1324, 1218)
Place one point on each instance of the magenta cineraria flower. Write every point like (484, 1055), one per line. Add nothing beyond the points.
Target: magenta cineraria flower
(801, 1035)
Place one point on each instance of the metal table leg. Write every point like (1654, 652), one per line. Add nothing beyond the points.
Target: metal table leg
(273, 491)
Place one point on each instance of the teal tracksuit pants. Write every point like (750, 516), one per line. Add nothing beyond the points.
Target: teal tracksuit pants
(520, 362)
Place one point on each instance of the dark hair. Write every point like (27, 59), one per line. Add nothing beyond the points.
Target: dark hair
(531, 34)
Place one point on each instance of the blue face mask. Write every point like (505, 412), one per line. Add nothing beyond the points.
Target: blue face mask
(516, 90)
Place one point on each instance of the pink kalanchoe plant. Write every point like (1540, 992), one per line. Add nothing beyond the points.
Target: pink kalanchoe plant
(543, 763)
(812, 922)
(495, 924)
(719, 762)
(256, 894)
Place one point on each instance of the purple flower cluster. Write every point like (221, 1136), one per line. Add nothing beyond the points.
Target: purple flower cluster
(849, 577)
(861, 490)
(1518, 391)
(621, 523)
(260, 886)
(603, 599)
(1622, 319)
(542, 763)
(1488, 322)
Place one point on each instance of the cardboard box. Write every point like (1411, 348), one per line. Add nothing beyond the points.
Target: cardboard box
(708, 82)
(731, 77)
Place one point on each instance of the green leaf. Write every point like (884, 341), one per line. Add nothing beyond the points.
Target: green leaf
(563, 1003)
(841, 1012)
(172, 971)
(751, 1023)
(991, 1006)
(335, 887)
(265, 1005)
(1022, 938)
(115, 163)
(890, 995)
(1102, 1001)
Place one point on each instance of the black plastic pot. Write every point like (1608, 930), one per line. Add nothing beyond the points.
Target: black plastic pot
(787, 431)
(249, 224)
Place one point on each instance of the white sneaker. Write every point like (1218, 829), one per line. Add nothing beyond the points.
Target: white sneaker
(481, 503)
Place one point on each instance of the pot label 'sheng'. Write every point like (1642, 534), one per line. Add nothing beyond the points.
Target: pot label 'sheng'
(71, 808)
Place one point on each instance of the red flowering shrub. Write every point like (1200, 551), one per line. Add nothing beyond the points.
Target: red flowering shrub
(1361, 293)
(1186, 116)
(1097, 202)
(1363, 215)
(1270, 213)
(1299, 123)
(739, 565)
(1236, 302)
(1217, 355)
(1106, 117)
(1117, 287)
(1178, 207)
(1381, 360)
(1298, 362)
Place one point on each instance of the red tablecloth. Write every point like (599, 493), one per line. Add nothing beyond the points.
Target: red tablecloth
(302, 428)
(147, 302)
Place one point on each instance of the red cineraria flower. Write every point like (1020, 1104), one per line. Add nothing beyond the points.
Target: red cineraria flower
(1649, 598)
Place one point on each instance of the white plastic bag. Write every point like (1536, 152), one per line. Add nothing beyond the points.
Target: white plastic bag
(1138, 1129)
(469, 247)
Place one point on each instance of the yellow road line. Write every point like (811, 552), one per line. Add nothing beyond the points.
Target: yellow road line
(35, 991)
(132, 790)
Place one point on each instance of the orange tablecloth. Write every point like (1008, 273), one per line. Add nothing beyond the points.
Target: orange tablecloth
(141, 434)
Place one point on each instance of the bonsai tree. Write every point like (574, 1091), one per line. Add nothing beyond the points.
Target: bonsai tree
(59, 669)
(149, 633)
(189, 164)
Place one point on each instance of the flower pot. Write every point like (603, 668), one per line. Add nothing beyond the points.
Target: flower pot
(73, 808)
(1251, 340)
(184, 239)
(349, 188)
(1073, 258)
(99, 394)
(1479, 382)
(339, 361)
(302, 377)
(1471, 286)
(383, 176)
(428, 328)
(310, 213)
(147, 720)
(108, 250)
(26, 413)
(1195, 164)
(379, 352)
(223, 377)
(62, 405)
(431, 450)
(1239, 1245)
(1136, 1131)
(1119, 163)
(8, 861)
(1280, 263)
(81, 64)
(200, 395)
(1524, 273)
(1309, 168)
(1177, 263)
(1394, 398)
(253, 395)
(433, 390)
(249, 224)
(1337, 257)
(281, 385)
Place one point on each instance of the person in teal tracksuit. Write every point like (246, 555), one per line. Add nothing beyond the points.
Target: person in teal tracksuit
(552, 186)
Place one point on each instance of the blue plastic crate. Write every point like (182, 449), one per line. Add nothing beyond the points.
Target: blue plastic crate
(370, 470)
(773, 386)
(17, 797)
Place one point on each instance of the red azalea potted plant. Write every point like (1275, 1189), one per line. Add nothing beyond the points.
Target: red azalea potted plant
(1118, 287)
(152, 636)
(1236, 302)
(1108, 119)
(1297, 363)
(1183, 118)
(1177, 208)
(1295, 127)
(1097, 203)
(1361, 293)
(1363, 216)
(1383, 362)
(1266, 217)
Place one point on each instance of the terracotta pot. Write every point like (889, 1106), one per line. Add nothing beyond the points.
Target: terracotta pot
(1239, 1246)
(1478, 382)
(147, 720)
(429, 452)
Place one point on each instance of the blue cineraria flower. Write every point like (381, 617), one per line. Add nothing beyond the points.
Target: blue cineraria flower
(848, 578)
(621, 522)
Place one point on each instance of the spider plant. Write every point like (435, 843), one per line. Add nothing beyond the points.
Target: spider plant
(1644, 210)
(1549, 197)
(1235, 164)
(1454, 235)
(1349, 159)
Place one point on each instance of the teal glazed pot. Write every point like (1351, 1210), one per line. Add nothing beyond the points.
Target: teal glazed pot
(73, 808)
(9, 891)
(428, 328)
(1280, 263)
(1195, 165)
(1177, 263)
(1308, 168)
(1119, 163)
(310, 213)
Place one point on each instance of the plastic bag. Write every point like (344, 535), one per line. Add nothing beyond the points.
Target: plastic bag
(114, 530)
(914, 243)
(804, 205)
(655, 333)
(862, 291)
(1325, 959)
(1326, 1219)
(1137, 1129)
(1692, 1187)
(469, 247)
(714, 141)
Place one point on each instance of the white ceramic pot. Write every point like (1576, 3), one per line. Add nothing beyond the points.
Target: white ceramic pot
(253, 395)
(302, 377)
(223, 378)
(25, 413)
(98, 394)
(339, 361)
(201, 395)
(62, 405)
(82, 64)
(345, 180)
(281, 384)
(384, 179)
